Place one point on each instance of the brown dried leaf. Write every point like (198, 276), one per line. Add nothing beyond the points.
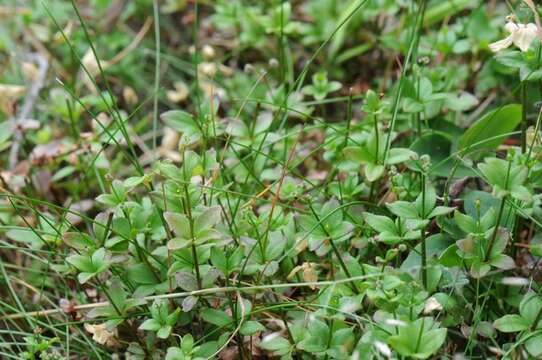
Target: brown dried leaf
(80, 207)
(12, 92)
(102, 335)
(46, 152)
(229, 353)
(179, 94)
(310, 274)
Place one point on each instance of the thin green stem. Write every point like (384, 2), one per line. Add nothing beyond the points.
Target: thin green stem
(418, 115)
(348, 119)
(423, 245)
(414, 40)
(523, 117)
(335, 250)
(536, 135)
(496, 230)
(377, 137)
(188, 212)
(155, 7)
(499, 216)
(419, 338)
(206, 291)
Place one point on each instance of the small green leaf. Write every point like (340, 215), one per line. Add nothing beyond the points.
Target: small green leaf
(78, 240)
(275, 343)
(25, 235)
(373, 171)
(425, 202)
(81, 262)
(530, 306)
(380, 223)
(178, 223)
(174, 353)
(465, 222)
(251, 327)
(491, 129)
(403, 209)
(501, 240)
(503, 262)
(512, 59)
(449, 257)
(62, 173)
(207, 219)
(219, 260)
(85, 276)
(150, 325)
(178, 243)
(358, 154)
(399, 155)
(534, 346)
(440, 210)
(216, 317)
(431, 342)
(164, 332)
(511, 323)
(133, 181)
(141, 274)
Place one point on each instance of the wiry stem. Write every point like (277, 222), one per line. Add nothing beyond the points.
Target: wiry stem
(209, 291)
(335, 250)
(523, 117)
(499, 217)
(495, 231)
(424, 248)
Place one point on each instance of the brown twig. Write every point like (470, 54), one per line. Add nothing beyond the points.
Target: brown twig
(113, 13)
(28, 106)
(135, 42)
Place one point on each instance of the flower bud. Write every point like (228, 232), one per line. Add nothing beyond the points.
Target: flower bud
(208, 52)
(425, 162)
(273, 63)
(129, 95)
(424, 60)
(249, 69)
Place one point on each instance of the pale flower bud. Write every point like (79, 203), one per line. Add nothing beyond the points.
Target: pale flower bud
(208, 52)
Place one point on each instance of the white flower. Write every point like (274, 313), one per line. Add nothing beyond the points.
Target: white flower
(521, 35)
(383, 348)
(395, 322)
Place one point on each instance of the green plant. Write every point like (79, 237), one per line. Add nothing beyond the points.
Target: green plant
(161, 321)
